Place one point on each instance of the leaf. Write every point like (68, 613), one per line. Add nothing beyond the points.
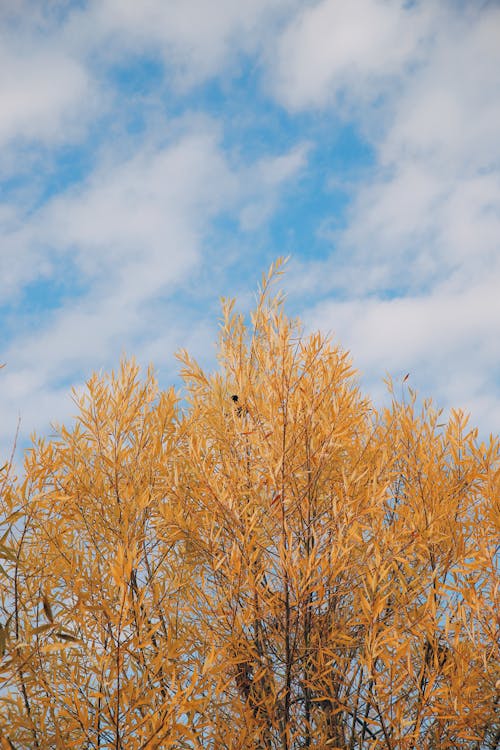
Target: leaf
(7, 553)
(68, 637)
(47, 608)
(42, 629)
(51, 648)
(3, 640)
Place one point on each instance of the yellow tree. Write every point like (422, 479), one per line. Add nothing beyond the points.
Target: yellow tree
(100, 651)
(349, 559)
(270, 564)
(11, 517)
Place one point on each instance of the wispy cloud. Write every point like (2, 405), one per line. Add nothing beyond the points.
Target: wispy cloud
(417, 265)
(130, 234)
(157, 154)
(340, 53)
(195, 39)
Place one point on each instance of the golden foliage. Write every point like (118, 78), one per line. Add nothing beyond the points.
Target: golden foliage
(270, 563)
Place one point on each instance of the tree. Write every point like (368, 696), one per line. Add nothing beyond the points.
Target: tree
(272, 564)
(100, 652)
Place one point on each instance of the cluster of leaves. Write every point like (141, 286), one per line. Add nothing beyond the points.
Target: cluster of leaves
(270, 564)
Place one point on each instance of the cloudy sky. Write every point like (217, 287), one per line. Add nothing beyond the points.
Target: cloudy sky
(157, 155)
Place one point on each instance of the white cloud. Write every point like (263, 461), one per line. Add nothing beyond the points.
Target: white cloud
(347, 47)
(419, 80)
(131, 233)
(449, 111)
(47, 94)
(20, 261)
(139, 219)
(195, 38)
(446, 338)
(433, 209)
(263, 181)
(54, 56)
(417, 265)
(36, 94)
(138, 207)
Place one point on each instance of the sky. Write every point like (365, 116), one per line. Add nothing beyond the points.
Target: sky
(157, 155)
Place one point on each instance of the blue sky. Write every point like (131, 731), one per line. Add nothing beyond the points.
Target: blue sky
(157, 155)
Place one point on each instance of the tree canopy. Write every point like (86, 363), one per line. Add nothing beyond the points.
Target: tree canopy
(264, 561)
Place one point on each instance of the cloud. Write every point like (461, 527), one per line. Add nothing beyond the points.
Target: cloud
(134, 232)
(130, 232)
(432, 208)
(36, 95)
(411, 281)
(446, 338)
(409, 278)
(55, 58)
(344, 47)
(195, 40)
(449, 110)
(139, 218)
(138, 206)
(263, 181)
(47, 94)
